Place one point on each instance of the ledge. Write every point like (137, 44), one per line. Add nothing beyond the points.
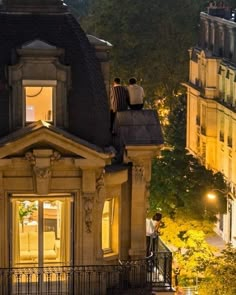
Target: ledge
(110, 256)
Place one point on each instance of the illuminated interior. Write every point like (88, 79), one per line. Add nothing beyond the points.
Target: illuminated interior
(106, 226)
(38, 103)
(41, 232)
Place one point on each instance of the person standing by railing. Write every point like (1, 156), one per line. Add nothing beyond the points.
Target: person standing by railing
(152, 230)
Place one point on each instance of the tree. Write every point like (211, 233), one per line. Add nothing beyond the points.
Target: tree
(193, 257)
(179, 182)
(148, 39)
(220, 274)
(26, 209)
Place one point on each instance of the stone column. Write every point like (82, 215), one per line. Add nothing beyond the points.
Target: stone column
(138, 212)
(141, 175)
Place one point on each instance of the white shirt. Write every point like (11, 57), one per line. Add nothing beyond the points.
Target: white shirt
(150, 226)
(136, 94)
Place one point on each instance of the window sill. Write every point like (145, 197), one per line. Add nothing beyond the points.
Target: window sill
(110, 256)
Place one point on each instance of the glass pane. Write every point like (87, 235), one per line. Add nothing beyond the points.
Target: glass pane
(41, 232)
(56, 235)
(106, 225)
(38, 103)
(25, 232)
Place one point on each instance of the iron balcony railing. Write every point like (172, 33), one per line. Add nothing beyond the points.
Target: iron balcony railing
(89, 280)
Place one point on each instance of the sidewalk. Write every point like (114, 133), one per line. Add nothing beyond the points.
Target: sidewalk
(217, 242)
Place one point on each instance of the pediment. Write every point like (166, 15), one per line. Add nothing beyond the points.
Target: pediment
(43, 135)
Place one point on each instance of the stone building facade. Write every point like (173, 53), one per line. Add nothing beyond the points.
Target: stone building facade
(65, 199)
(211, 112)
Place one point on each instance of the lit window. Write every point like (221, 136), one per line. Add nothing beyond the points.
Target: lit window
(106, 226)
(41, 231)
(38, 103)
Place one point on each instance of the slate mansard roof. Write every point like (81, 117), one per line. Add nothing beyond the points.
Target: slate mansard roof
(88, 109)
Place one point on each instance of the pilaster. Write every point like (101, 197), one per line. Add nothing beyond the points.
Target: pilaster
(89, 226)
(141, 158)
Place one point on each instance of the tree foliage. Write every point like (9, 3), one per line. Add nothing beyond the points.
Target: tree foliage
(172, 230)
(220, 275)
(179, 182)
(150, 40)
(194, 257)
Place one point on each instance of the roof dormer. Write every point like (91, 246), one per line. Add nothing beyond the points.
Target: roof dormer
(39, 85)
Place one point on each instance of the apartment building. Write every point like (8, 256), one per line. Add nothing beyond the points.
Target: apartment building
(211, 104)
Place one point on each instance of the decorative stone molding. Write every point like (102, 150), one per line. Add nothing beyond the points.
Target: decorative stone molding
(29, 156)
(41, 162)
(88, 199)
(42, 172)
(55, 157)
(138, 173)
(100, 187)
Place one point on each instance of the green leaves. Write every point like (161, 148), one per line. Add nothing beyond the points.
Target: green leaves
(150, 41)
(179, 182)
(220, 274)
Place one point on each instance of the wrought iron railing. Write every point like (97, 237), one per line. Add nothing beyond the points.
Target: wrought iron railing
(153, 272)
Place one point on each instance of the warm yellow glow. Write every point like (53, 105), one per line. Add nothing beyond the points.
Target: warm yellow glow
(38, 103)
(106, 225)
(28, 216)
(211, 196)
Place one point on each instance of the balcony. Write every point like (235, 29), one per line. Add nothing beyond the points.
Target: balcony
(125, 277)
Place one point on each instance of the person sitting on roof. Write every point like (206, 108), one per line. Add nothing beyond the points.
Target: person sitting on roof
(136, 95)
(119, 98)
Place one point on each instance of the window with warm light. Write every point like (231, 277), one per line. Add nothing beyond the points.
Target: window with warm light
(106, 226)
(41, 231)
(38, 103)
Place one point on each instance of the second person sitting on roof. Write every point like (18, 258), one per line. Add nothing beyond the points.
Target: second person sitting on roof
(136, 95)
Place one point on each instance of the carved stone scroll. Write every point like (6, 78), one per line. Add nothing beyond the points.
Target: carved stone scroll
(100, 187)
(88, 199)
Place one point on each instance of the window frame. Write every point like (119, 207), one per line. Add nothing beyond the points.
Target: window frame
(111, 220)
(15, 197)
(39, 83)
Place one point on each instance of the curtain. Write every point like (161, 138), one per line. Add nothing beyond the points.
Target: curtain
(65, 231)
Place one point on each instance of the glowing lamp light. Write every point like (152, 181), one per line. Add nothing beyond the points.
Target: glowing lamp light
(211, 196)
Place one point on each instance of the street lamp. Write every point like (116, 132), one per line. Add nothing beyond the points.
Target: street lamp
(227, 194)
(211, 196)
